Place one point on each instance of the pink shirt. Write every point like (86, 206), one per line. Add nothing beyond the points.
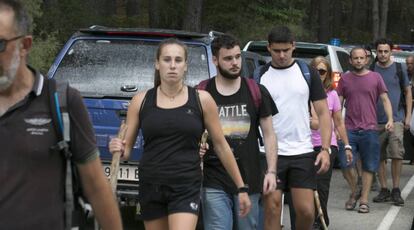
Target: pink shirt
(334, 105)
(361, 94)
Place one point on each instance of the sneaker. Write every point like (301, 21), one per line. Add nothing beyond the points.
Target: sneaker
(383, 196)
(396, 197)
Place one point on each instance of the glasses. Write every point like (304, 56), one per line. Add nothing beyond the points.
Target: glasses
(322, 71)
(3, 42)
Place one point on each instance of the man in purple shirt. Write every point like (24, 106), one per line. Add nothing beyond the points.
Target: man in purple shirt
(361, 90)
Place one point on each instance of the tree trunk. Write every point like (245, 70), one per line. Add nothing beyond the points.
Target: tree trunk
(375, 20)
(192, 18)
(324, 21)
(384, 19)
(132, 7)
(120, 7)
(337, 15)
(313, 21)
(154, 13)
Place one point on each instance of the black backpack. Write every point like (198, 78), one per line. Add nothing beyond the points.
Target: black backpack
(77, 210)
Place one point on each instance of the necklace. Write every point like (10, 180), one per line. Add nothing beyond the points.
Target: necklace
(172, 97)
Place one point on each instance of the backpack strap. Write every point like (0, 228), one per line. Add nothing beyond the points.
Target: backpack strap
(61, 122)
(203, 84)
(258, 72)
(401, 81)
(304, 68)
(255, 92)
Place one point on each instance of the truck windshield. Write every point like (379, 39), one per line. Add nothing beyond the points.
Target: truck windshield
(120, 68)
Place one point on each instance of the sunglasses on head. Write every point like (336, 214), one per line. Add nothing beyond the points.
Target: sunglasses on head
(3, 42)
(322, 71)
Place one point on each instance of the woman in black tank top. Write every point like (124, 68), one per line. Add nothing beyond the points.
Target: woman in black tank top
(172, 117)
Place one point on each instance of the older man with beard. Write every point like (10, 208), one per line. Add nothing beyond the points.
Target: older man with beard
(240, 119)
(31, 174)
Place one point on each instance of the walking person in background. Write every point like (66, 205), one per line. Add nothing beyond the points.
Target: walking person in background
(32, 171)
(323, 181)
(240, 118)
(172, 117)
(408, 137)
(392, 143)
(361, 89)
(297, 161)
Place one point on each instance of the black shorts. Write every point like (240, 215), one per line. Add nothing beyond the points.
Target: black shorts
(296, 171)
(162, 200)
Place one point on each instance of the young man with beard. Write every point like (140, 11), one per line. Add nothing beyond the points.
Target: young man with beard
(31, 173)
(361, 89)
(392, 143)
(240, 119)
(298, 163)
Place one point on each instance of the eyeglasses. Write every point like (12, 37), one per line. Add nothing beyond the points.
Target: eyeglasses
(322, 71)
(3, 42)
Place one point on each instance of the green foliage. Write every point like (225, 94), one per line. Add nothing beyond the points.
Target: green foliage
(43, 52)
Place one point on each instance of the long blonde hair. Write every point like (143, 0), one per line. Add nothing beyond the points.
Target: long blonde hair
(169, 41)
(328, 81)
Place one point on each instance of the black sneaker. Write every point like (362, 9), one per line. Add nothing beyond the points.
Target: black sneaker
(383, 196)
(396, 197)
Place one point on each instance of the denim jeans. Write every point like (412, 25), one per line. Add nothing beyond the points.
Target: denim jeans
(220, 211)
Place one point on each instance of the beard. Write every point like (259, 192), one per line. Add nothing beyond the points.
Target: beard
(358, 69)
(8, 75)
(227, 74)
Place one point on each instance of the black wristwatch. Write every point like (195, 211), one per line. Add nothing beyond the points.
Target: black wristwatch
(244, 188)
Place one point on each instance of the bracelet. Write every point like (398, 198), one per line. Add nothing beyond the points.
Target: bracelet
(348, 147)
(271, 172)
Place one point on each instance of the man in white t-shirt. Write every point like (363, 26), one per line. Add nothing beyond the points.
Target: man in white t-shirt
(298, 163)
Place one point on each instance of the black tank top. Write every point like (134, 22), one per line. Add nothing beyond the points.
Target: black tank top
(171, 141)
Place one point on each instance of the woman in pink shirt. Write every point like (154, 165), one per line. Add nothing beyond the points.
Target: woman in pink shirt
(324, 180)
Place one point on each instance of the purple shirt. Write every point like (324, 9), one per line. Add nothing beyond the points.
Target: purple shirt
(361, 94)
(334, 106)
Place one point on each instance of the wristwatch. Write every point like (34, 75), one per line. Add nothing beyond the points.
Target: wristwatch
(326, 149)
(244, 188)
(348, 147)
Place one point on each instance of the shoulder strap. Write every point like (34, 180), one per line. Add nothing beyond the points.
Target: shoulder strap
(400, 76)
(258, 72)
(304, 68)
(61, 122)
(255, 92)
(203, 84)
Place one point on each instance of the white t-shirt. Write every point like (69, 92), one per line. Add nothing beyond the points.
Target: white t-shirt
(290, 91)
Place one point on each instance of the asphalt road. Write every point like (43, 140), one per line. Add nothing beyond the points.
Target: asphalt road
(382, 216)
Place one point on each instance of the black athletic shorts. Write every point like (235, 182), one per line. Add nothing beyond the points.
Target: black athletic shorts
(296, 171)
(158, 200)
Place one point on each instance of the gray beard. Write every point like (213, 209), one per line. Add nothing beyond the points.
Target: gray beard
(7, 79)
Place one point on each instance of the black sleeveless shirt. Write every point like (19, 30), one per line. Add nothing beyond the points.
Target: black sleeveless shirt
(171, 141)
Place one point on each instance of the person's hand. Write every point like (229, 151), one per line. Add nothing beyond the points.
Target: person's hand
(407, 122)
(117, 145)
(203, 149)
(349, 156)
(324, 160)
(389, 126)
(269, 183)
(244, 204)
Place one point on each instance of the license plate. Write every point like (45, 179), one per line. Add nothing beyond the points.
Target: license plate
(126, 172)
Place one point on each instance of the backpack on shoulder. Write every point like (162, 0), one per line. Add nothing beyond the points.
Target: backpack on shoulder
(400, 75)
(77, 210)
